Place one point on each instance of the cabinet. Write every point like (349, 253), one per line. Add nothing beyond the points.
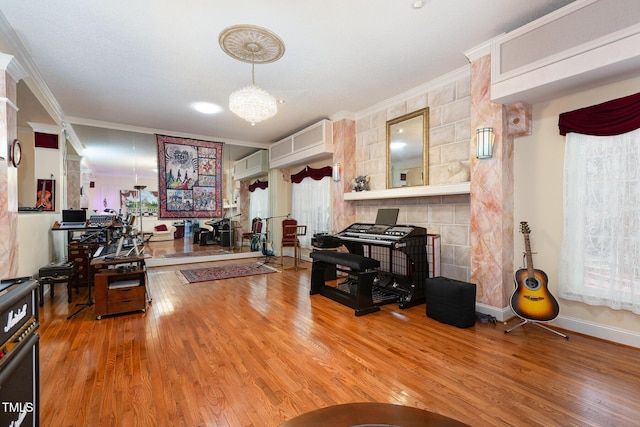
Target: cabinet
(120, 287)
(81, 254)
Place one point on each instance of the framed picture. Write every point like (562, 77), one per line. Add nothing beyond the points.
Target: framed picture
(45, 194)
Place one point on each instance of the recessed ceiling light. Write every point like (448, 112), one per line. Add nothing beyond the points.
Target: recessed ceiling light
(417, 4)
(206, 107)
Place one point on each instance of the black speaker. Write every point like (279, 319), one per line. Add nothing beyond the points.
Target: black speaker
(451, 301)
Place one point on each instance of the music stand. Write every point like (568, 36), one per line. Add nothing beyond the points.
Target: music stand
(295, 231)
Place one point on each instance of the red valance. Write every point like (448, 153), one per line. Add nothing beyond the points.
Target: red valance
(614, 117)
(316, 174)
(258, 184)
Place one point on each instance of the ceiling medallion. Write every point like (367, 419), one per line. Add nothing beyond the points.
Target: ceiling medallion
(253, 44)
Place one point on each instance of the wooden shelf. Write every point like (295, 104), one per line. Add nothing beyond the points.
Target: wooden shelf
(405, 192)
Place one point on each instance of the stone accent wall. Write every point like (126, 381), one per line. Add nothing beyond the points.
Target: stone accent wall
(447, 216)
(449, 152)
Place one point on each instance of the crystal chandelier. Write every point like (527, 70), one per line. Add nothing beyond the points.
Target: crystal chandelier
(252, 103)
(250, 43)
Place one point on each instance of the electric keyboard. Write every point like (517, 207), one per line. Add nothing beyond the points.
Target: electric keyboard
(386, 235)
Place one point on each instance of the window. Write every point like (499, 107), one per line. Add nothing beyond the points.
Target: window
(311, 206)
(600, 254)
(259, 203)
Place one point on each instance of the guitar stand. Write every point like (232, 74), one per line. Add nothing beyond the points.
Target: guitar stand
(533, 322)
(267, 260)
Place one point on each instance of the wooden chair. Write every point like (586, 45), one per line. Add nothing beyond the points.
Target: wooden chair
(293, 231)
(256, 229)
(289, 236)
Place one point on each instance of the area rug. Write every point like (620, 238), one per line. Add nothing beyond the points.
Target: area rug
(209, 252)
(225, 272)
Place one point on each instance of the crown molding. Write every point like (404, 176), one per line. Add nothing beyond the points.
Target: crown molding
(45, 128)
(479, 51)
(11, 65)
(342, 115)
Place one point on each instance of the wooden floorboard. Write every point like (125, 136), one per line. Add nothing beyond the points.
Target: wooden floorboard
(258, 350)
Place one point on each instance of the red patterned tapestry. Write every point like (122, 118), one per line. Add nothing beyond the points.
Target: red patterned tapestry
(190, 177)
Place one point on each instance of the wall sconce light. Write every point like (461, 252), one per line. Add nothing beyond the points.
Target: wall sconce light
(484, 143)
(336, 172)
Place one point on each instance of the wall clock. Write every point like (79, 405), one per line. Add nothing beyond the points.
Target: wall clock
(16, 153)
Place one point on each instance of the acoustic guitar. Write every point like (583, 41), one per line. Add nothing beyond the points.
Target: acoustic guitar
(44, 198)
(532, 300)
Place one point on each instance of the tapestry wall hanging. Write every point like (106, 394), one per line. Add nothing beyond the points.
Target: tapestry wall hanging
(129, 201)
(190, 178)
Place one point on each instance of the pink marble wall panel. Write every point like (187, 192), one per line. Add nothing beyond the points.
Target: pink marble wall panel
(243, 205)
(491, 208)
(8, 181)
(344, 154)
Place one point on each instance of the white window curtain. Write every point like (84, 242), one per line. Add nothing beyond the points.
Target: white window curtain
(600, 254)
(311, 206)
(258, 203)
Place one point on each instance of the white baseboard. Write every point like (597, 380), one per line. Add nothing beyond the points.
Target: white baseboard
(596, 330)
(620, 336)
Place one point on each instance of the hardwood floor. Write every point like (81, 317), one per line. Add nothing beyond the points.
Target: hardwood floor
(258, 350)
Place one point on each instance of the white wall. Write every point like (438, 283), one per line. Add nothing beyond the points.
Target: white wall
(538, 165)
(37, 243)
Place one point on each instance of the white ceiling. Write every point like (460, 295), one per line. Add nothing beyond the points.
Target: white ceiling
(121, 70)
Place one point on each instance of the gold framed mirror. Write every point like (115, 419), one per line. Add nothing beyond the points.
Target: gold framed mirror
(408, 150)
